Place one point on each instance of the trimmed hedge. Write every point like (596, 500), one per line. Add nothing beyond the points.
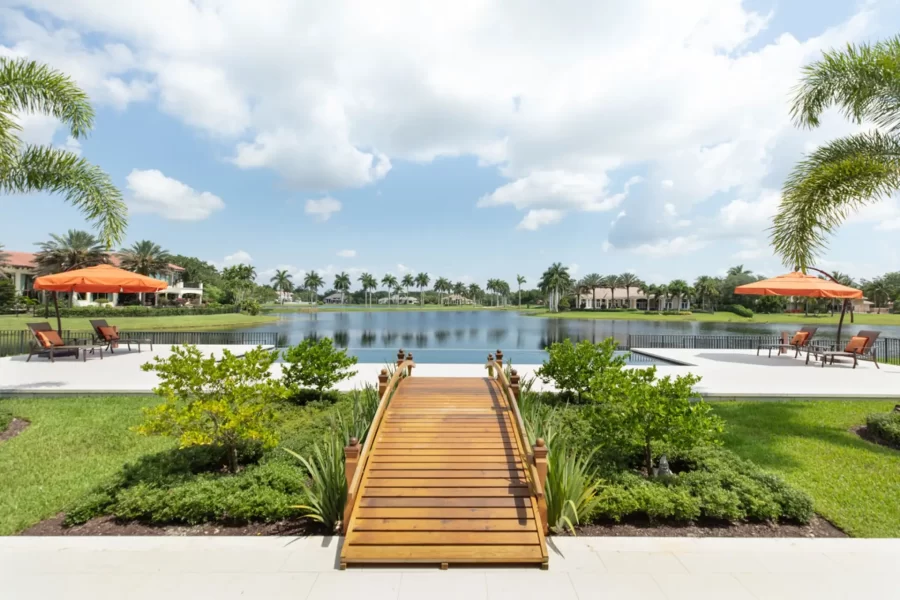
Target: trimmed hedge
(885, 426)
(741, 311)
(143, 311)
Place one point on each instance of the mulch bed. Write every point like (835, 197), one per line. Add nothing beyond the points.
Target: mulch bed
(15, 427)
(817, 528)
(863, 432)
(109, 526)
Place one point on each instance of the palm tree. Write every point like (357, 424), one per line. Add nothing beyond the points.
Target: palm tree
(848, 172)
(706, 287)
(144, 257)
(28, 86)
(441, 286)
(390, 282)
(313, 281)
(504, 290)
(459, 288)
(491, 287)
(474, 291)
(281, 281)
(628, 281)
(368, 282)
(591, 282)
(680, 288)
(342, 284)
(878, 290)
(408, 281)
(520, 281)
(75, 248)
(611, 282)
(554, 280)
(659, 291)
(739, 271)
(422, 281)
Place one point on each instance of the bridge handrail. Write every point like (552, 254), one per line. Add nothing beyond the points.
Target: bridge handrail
(537, 487)
(353, 488)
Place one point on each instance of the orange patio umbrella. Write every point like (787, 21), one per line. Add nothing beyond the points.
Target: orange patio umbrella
(99, 279)
(801, 284)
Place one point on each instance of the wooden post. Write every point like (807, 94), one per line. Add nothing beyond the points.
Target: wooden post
(540, 463)
(514, 384)
(500, 358)
(490, 366)
(409, 368)
(351, 458)
(382, 382)
(400, 357)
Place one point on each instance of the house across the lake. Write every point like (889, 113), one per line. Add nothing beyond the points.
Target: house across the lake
(604, 298)
(398, 300)
(22, 269)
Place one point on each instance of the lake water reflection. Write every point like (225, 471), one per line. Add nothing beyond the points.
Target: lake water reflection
(468, 336)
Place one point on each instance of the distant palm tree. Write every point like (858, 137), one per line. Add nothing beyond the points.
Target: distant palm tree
(660, 291)
(27, 87)
(628, 281)
(706, 288)
(281, 281)
(474, 291)
(592, 281)
(611, 282)
(144, 257)
(342, 284)
(503, 289)
(555, 280)
(408, 281)
(442, 286)
(491, 286)
(459, 288)
(390, 282)
(847, 173)
(879, 290)
(520, 281)
(75, 248)
(368, 283)
(739, 270)
(679, 288)
(313, 281)
(422, 281)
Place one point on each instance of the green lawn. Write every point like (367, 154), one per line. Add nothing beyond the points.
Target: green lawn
(201, 322)
(854, 483)
(722, 317)
(72, 445)
(380, 308)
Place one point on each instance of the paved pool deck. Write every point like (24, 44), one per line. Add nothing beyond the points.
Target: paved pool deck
(725, 375)
(582, 568)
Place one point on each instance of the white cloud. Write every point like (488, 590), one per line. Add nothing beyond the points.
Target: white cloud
(573, 269)
(238, 257)
(153, 192)
(347, 253)
(73, 145)
(403, 268)
(667, 183)
(672, 247)
(323, 208)
(537, 218)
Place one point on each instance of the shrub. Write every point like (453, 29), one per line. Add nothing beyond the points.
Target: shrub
(570, 490)
(885, 426)
(250, 306)
(656, 412)
(572, 366)
(225, 403)
(141, 311)
(363, 406)
(315, 364)
(326, 486)
(741, 311)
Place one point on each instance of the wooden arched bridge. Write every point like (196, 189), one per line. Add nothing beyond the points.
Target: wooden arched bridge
(446, 475)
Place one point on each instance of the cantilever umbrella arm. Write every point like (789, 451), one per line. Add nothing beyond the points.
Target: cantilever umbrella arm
(843, 303)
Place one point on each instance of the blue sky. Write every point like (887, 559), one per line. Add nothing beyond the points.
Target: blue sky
(465, 141)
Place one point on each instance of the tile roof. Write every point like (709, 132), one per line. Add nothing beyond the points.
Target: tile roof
(26, 260)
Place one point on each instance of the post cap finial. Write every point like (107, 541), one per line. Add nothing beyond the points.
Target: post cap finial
(513, 372)
(540, 443)
(490, 357)
(354, 441)
(384, 371)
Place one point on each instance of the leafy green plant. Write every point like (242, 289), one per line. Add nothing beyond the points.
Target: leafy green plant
(315, 364)
(657, 412)
(226, 403)
(541, 419)
(326, 486)
(572, 366)
(885, 426)
(741, 311)
(570, 490)
(250, 306)
(363, 406)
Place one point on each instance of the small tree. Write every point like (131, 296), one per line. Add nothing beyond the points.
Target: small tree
(572, 366)
(209, 402)
(316, 364)
(658, 412)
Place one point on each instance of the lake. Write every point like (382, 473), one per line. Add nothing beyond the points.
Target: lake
(468, 336)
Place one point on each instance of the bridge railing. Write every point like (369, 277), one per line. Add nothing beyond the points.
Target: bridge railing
(534, 457)
(355, 458)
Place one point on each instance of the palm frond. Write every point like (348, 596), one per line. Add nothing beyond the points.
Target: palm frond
(28, 86)
(86, 186)
(823, 189)
(864, 81)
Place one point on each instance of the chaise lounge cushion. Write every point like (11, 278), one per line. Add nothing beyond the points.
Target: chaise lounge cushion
(799, 338)
(49, 338)
(856, 344)
(109, 333)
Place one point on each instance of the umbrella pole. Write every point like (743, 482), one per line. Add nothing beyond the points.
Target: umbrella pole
(58, 320)
(841, 322)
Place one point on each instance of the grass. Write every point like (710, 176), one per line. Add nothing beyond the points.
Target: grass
(381, 308)
(723, 317)
(855, 484)
(72, 445)
(145, 323)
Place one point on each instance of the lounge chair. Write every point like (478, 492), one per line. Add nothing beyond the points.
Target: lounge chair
(860, 347)
(105, 334)
(47, 342)
(798, 342)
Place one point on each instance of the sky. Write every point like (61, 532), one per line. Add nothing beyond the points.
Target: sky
(471, 139)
